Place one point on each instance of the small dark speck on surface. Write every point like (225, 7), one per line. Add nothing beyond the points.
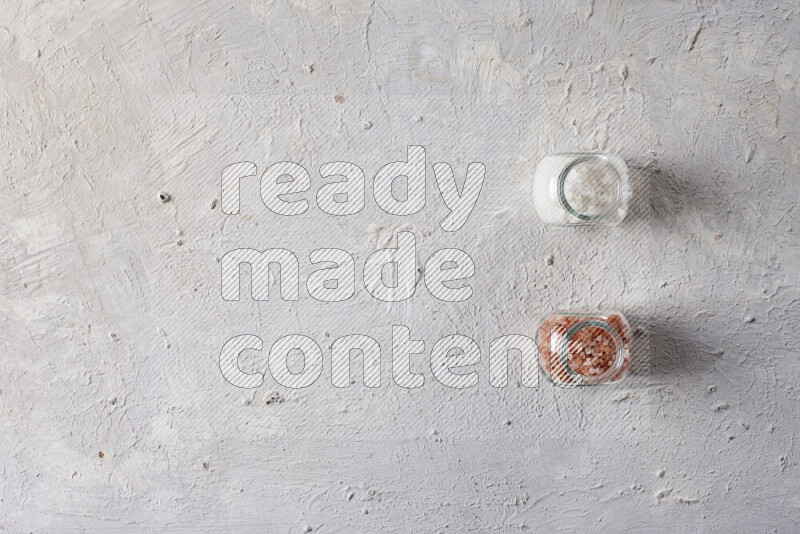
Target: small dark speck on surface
(339, 99)
(273, 397)
(100, 454)
(213, 203)
(206, 465)
(164, 197)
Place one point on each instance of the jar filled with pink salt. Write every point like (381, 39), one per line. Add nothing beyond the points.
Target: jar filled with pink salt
(583, 349)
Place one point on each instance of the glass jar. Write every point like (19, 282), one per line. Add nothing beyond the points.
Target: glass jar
(584, 349)
(581, 188)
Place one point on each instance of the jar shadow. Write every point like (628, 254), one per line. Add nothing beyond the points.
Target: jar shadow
(641, 208)
(665, 194)
(661, 347)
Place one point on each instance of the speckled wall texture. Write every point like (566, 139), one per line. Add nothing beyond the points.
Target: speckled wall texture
(116, 121)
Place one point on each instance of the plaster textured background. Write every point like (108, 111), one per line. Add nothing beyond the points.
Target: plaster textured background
(114, 414)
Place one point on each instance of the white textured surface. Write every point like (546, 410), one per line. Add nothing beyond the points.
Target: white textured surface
(110, 329)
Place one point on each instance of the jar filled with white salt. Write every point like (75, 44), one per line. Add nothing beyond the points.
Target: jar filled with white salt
(581, 188)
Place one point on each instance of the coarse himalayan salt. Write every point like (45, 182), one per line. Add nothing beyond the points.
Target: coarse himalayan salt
(597, 350)
(581, 188)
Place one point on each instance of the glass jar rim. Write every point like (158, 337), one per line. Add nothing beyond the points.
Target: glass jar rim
(619, 357)
(562, 199)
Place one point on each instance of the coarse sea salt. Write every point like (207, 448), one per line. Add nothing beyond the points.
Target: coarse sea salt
(581, 189)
